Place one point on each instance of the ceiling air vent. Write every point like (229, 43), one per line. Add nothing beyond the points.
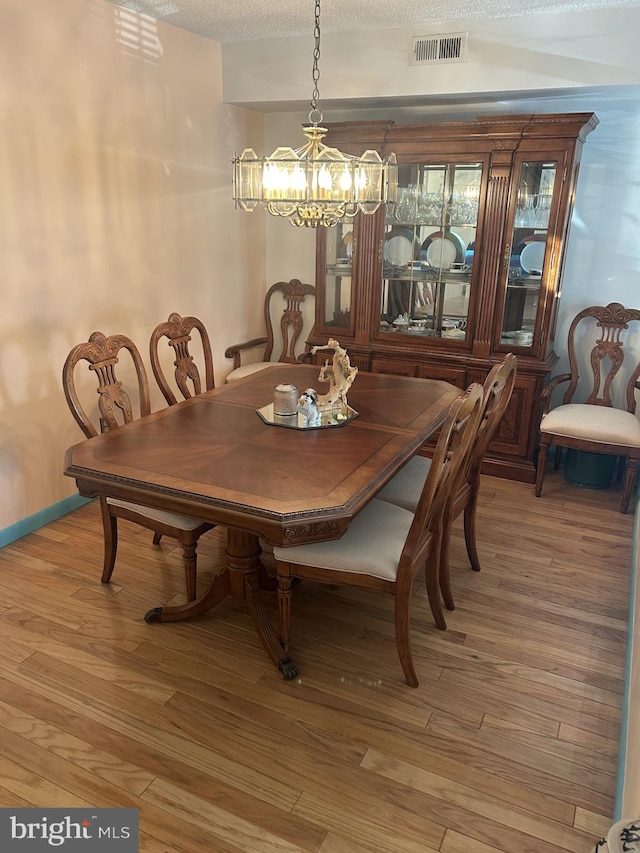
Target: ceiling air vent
(447, 47)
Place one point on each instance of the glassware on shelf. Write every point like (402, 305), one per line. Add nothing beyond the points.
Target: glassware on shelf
(464, 209)
(405, 210)
(526, 213)
(543, 207)
(430, 209)
(418, 206)
(533, 211)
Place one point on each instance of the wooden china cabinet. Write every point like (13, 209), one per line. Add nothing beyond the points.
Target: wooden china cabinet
(465, 265)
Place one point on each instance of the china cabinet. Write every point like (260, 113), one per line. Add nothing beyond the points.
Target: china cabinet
(464, 264)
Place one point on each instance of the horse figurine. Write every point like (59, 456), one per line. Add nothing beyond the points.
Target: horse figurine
(339, 374)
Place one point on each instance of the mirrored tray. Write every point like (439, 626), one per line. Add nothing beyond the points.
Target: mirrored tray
(333, 418)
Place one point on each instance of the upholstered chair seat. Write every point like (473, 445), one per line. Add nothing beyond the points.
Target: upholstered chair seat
(161, 516)
(405, 488)
(250, 369)
(357, 551)
(594, 423)
(284, 323)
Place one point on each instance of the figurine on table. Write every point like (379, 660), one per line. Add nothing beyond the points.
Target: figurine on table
(339, 374)
(308, 407)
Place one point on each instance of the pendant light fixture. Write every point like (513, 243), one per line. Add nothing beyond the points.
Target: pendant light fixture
(314, 185)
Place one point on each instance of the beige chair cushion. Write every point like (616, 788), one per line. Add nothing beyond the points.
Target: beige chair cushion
(405, 488)
(371, 546)
(595, 423)
(250, 369)
(182, 522)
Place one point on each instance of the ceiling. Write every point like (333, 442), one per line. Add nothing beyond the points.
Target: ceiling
(245, 20)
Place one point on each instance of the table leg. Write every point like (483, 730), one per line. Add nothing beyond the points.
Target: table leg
(217, 592)
(240, 580)
(245, 568)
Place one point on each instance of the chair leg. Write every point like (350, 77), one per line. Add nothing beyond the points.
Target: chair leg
(444, 578)
(432, 579)
(284, 607)
(542, 464)
(403, 639)
(629, 481)
(156, 538)
(190, 559)
(110, 531)
(557, 457)
(470, 512)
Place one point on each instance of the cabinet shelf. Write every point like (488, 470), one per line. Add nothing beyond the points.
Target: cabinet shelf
(432, 275)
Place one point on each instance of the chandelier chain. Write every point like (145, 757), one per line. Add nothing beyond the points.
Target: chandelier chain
(315, 95)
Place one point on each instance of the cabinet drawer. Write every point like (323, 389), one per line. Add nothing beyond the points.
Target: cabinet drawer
(396, 367)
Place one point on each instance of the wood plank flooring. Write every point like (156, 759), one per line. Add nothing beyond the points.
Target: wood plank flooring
(509, 744)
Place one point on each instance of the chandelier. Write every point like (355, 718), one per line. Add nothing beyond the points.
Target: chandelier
(314, 185)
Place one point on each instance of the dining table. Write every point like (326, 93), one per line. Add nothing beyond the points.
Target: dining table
(216, 457)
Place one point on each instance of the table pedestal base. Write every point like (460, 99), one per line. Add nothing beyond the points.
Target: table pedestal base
(239, 580)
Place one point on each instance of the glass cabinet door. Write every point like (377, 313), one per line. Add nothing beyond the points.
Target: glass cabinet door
(428, 250)
(529, 261)
(338, 271)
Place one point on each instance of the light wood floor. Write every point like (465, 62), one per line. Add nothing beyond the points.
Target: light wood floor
(509, 744)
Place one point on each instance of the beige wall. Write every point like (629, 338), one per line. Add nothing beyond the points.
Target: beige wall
(115, 209)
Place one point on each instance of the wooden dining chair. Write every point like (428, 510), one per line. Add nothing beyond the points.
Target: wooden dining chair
(386, 546)
(282, 310)
(405, 488)
(116, 408)
(178, 331)
(595, 425)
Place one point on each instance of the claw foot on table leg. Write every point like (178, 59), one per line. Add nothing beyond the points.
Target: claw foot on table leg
(288, 669)
(153, 615)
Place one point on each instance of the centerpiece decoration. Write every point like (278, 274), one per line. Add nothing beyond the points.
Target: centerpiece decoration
(311, 410)
(339, 374)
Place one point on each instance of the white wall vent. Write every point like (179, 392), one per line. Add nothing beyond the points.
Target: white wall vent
(446, 47)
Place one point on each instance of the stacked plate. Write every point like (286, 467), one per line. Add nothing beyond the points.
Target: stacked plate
(523, 338)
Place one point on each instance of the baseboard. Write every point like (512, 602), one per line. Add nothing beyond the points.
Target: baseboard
(40, 518)
(627, 802)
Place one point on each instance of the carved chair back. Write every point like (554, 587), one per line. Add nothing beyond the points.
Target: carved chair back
(114, 402)
(498, 387)
(291, 321)
(282, 309)
(186, 375)
(606, 356)
(451, 456)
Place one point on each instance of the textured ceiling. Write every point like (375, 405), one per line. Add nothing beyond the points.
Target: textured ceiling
(243, 20)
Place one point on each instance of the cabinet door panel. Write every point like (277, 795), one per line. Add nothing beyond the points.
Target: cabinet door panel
(531, 265)
(445, 372)
(513, 435)
(428, 250)
(335, 262)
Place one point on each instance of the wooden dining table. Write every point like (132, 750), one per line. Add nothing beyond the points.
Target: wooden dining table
(215, 458)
